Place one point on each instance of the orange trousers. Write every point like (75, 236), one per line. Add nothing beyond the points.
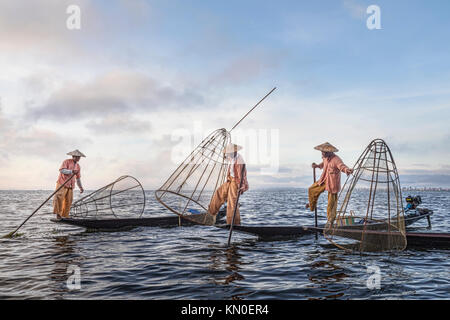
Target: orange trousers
(313, 195)
(227, 192)
(62, 201)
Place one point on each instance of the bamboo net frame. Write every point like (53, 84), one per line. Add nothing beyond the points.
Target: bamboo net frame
(122, 198)
(370, 210)
(189, 189)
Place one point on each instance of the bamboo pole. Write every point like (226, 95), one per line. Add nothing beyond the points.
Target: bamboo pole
(315, 209)
(252, 109)
(236, 204)
(9, 235)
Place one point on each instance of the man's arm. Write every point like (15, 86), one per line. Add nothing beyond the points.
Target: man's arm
(320, 166)
(342, 167)
(245, 186)
(78, 173)
(80, 186)
(65, 171)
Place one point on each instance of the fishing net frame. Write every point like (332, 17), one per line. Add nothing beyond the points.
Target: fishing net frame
(387, 233)
(94, 204)
(205, 169)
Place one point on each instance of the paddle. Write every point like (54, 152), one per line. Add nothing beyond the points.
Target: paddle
(315, 209)
(9, 235)
(236, 204)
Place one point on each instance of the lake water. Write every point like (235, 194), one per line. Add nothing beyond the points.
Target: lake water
(195, 263)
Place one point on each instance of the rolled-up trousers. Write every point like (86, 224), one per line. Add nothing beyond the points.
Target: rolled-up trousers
(62, 201)
(313, 195)
(227, 192)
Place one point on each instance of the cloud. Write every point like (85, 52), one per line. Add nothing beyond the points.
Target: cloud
(5, 129)
(116, 92)
(356, 10)
(139, 9)
(18, 140)
(423, 145)
(245, 68)
(440, 180)
(39, 25)
(257, 169)
(114, 124)
(38, 142)
(274, 180)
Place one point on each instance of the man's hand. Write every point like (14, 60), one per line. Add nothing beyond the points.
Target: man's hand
(349, 172)
(81, 190)
(74, 171)
(314, 165)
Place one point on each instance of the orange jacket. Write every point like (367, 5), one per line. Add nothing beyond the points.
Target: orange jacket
(331, 175)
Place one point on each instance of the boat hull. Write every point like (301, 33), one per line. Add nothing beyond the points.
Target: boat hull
(121, 224)
(414, 239)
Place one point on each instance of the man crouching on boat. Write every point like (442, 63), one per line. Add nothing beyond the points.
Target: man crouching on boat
(330, 180)
(228, 191)
(64, 197)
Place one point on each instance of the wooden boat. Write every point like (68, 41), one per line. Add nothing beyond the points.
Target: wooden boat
(414, 239)
(418, 214)
(287, 231)
(114, 224)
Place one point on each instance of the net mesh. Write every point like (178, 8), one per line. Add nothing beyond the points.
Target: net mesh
(370, 214)
(123, 198)
(189, 189)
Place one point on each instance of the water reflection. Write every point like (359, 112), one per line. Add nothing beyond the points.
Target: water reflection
(64, 258)
(228, 261)
(233, 262)
(328, 276)
(231, 259)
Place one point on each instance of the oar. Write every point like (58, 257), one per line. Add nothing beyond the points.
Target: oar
(315, 209)
(9, 235)
(236, 204)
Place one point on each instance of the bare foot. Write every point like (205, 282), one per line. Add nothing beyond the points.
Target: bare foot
(307, 206)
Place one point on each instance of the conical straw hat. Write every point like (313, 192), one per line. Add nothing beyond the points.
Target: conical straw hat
(326, 147)
(76, 153)
(231, 147)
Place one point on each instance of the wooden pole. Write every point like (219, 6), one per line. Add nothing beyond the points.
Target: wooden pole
(315, 209)
(236, 204)
(253, 108)
(9, 235)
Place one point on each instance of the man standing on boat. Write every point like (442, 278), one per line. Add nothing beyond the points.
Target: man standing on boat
(64, 197)
(330, 180)
(228, 191)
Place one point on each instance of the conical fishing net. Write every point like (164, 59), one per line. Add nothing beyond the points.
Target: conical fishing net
(370, 214)
(123, 198)
(189, 189)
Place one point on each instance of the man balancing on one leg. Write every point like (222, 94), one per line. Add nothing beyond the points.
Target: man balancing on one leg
(330, 180)
(63, 198)
(228, 191)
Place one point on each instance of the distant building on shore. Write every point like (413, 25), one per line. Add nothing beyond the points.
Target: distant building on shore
(425, 189)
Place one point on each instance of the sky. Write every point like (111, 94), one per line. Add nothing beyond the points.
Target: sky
(141, 83)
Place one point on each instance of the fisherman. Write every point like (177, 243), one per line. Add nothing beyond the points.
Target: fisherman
(228, 191)
(63, 198)
(330, 180)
